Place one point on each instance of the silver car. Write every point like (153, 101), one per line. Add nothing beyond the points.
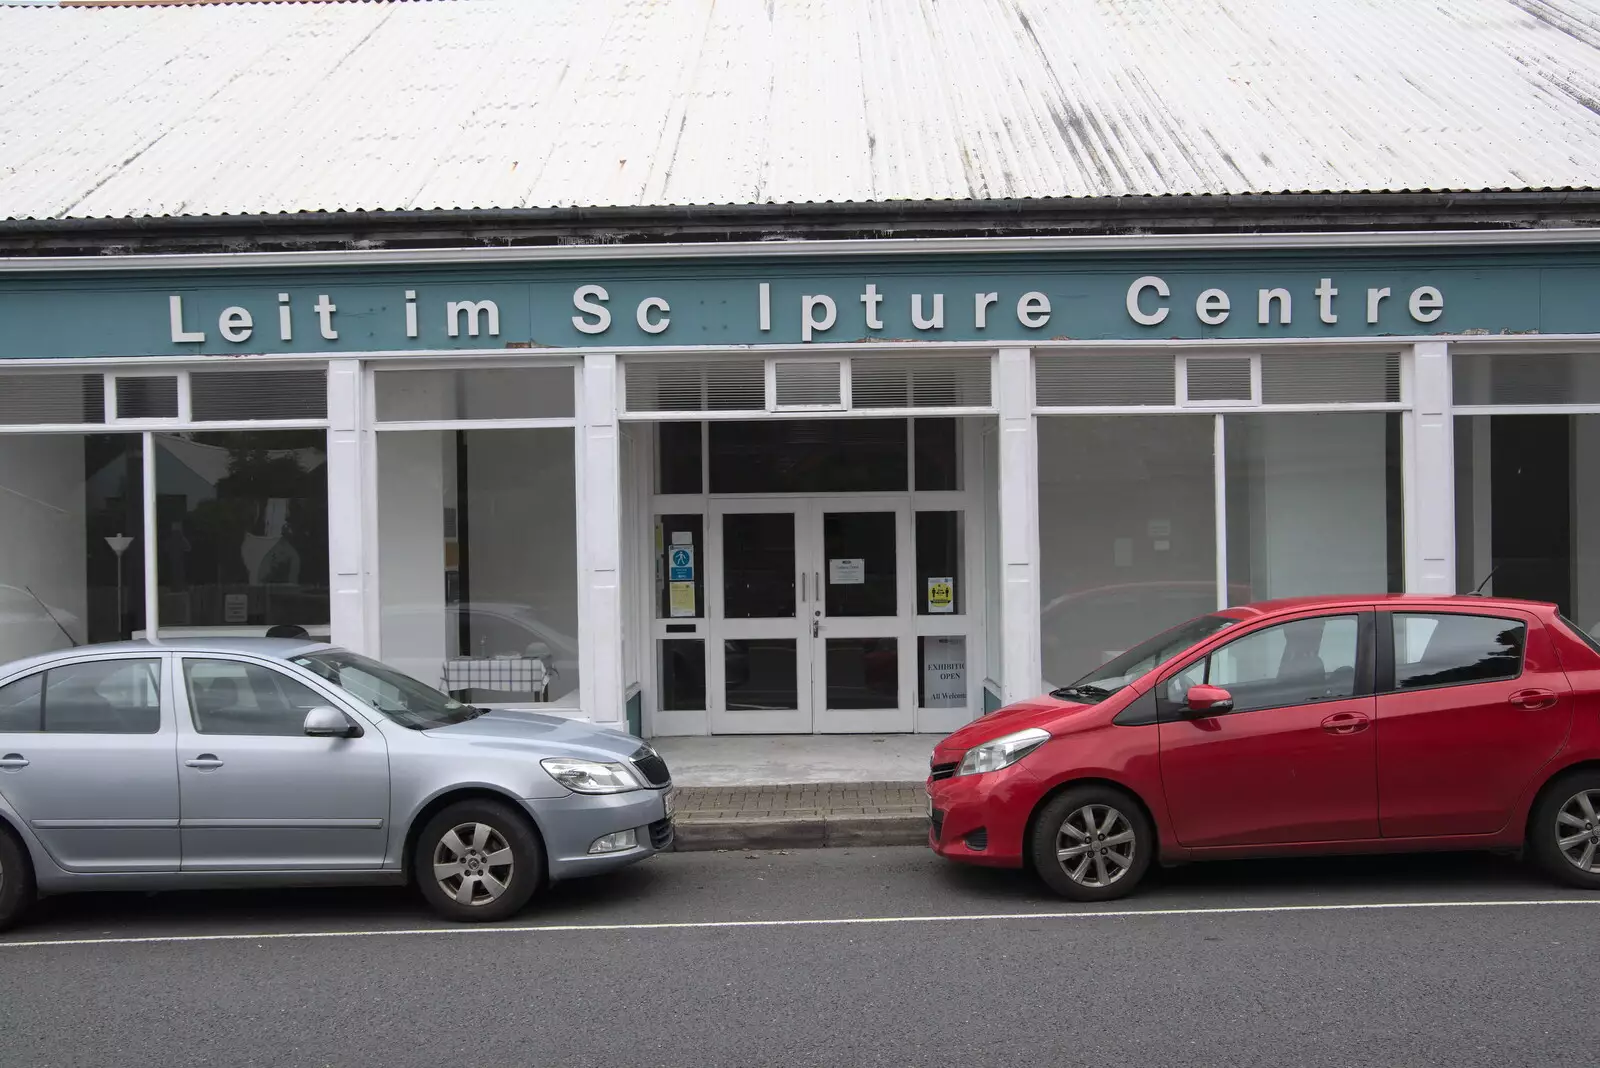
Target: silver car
(271, 762)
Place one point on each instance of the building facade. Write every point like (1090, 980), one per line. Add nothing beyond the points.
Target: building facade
(826, 486)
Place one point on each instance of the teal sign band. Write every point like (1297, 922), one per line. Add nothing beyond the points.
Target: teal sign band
(1000, 299)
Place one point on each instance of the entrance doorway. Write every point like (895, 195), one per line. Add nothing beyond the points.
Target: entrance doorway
(816, 576)
(812, 611)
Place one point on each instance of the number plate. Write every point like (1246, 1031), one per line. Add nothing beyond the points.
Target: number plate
(930, 806)
(672, 803)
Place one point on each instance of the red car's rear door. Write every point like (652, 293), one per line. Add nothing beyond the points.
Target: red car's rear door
(1473, 705)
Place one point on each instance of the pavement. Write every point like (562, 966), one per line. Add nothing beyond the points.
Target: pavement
(849, 957)
(801, 816)
(798, 791)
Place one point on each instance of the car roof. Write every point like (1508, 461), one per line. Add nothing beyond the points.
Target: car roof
(1285, 605)
(271, 648)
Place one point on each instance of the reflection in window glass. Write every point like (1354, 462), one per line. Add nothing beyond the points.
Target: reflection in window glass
(1127, 534)
(477, 560)
(863, 673)
(1510, 468)
(20, 708)
(761, 673)
(1448, 650)
(809, 456)
(1295, 663)
(679, 450)
(242, 530)
(103, 697)
(1314, 505)
(683, 674)
(72, 528)
(230, 697)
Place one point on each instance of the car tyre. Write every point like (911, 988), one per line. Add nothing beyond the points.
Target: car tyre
(16, 879)
(1564, 830)
(478, 861)
(1092, 843)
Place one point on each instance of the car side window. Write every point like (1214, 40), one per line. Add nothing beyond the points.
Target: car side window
(232, 697)
(1446, 649)
(102, 697)
(21, 709)
(1295, 663)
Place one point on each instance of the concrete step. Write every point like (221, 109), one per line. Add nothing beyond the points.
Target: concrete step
(800, 816)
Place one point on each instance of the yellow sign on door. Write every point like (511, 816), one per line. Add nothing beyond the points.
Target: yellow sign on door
(941, 594)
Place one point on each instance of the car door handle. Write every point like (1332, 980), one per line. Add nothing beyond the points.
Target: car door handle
(1345, 723)
(13, 761)
(1534, 700)
(205, 762)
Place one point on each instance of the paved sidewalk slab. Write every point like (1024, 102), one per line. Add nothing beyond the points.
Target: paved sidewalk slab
(801, 816)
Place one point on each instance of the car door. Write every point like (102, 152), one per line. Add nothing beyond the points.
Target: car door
(1294, 760)
(1473, 704)
(86, 759)
(257, 793)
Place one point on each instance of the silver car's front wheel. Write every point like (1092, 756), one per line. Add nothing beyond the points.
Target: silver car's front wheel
(474, 864)
(478, 860)
(1095, 845)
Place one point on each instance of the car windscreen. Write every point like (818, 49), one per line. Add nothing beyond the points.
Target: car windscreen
(1143, 658)
(400, 697)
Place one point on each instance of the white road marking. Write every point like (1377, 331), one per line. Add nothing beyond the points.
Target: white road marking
(841, 921)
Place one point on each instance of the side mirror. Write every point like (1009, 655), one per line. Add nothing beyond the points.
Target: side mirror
(1206, 700)
(330, 723)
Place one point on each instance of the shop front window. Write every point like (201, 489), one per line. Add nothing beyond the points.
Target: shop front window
(72, 527)
(1127, 533)
(1523, 529)
(242, 532)
(477, 558)
(1315, 505)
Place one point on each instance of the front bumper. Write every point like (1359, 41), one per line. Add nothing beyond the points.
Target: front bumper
(982, 819)
(571, 824)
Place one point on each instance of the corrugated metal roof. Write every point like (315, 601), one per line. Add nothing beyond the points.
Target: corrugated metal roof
(264, 108)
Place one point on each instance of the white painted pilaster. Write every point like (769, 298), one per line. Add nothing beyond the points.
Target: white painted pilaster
(1021, 674)
(1429, 473)
(348, 567)
(601, 683)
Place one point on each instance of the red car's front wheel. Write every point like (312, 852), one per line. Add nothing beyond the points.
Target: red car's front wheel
(1092, 843)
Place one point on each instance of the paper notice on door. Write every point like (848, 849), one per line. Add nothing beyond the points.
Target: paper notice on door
(847, 571)
(236, 608)
(941, 595)
(680, 599)
(944, 672)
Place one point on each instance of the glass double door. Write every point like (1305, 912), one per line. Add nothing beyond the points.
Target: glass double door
(812, 616)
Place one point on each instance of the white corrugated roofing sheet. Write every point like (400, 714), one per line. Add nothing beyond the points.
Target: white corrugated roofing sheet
(260, 108)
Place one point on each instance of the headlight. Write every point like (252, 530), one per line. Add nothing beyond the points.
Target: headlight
(1002, 752)
(591, 776)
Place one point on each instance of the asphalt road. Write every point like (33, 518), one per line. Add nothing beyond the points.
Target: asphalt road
(696, 959)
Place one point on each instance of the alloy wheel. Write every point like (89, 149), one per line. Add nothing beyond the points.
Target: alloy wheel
(473, 863)
(1095, 845)
(1578, 831)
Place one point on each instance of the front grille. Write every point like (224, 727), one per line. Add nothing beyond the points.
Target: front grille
(651, 766)
(978, 840)
(942, 771)
(661, 833)
(937, 819)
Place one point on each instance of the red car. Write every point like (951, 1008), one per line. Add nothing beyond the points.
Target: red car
(1310, 726)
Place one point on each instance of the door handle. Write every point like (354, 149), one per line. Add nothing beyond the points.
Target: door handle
(205, 762)
(13, 761)
(802, 587)
(1345, 723)
(1534, 700)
